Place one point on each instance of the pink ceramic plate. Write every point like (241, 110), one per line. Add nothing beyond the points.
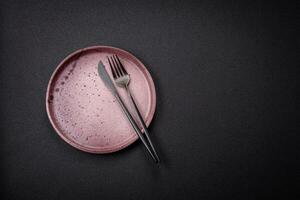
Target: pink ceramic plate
(83, 111)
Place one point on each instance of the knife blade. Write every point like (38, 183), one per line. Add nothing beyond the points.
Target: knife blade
(106, 78)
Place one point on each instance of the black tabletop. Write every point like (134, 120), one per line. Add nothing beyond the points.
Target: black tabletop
(226, 76)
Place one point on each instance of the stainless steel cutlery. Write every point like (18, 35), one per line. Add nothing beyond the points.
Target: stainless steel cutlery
(122, 79)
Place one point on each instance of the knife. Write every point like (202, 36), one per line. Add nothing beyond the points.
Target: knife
(110, 85)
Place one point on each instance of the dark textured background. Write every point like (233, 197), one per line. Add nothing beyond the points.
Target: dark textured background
(226, 122)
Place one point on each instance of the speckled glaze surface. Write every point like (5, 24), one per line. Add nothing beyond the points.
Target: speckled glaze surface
(83, 111)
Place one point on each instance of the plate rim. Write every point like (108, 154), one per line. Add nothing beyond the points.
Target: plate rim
(128, 141)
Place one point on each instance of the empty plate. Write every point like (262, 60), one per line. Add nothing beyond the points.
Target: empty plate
(83, 111)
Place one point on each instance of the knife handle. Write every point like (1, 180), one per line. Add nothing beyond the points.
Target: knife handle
(134, 125)
(142, 123)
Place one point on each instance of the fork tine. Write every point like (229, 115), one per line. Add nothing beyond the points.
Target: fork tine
(117, 70)
(121, 66)
(117, 66)
(112, 68)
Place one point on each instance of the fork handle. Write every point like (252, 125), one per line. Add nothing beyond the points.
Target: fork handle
(142, 123)
(134, 125)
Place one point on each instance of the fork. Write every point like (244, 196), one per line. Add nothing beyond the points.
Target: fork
(122, 79)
